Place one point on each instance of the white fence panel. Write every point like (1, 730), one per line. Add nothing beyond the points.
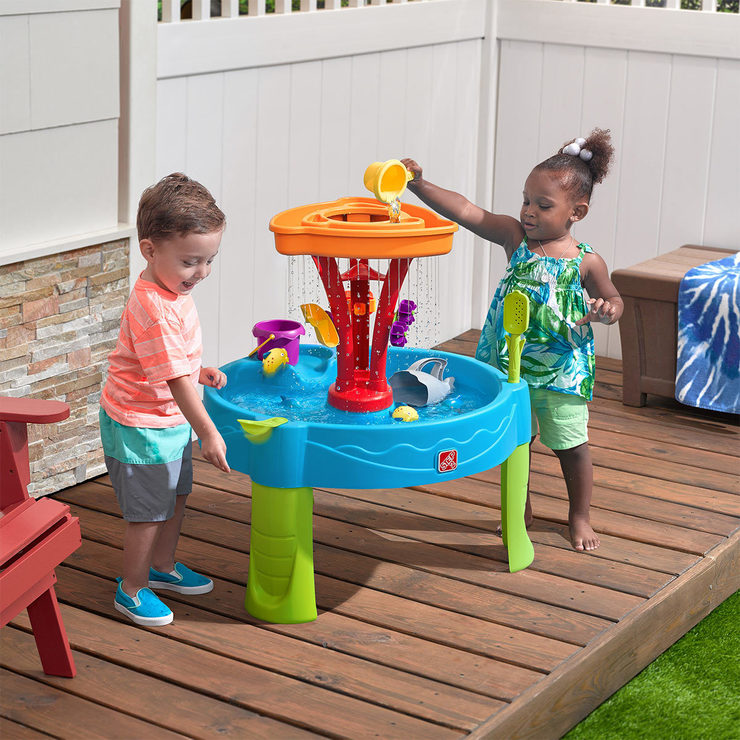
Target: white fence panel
(204, 154)
(723, 189)
(517, 134)
(604, 88)
(642, 158)
(273, 137)
(237, 262)
(673, 115)
(688, 146)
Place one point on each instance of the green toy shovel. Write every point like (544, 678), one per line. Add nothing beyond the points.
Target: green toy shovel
(515, 469)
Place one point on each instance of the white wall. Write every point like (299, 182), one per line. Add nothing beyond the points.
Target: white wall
(59, 108)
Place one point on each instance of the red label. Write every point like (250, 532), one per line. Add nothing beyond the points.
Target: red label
(446, 461)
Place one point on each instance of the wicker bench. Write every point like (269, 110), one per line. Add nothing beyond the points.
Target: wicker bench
(649, 325)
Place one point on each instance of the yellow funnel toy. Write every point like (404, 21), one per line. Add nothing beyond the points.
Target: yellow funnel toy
(387, 180)
(258, 431)
(326, 332)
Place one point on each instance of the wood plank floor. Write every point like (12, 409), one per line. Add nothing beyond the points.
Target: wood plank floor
(422, 631)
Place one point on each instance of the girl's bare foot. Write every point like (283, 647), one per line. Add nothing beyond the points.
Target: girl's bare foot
(582, 536)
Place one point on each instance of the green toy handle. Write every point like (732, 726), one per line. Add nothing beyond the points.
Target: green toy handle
(515, 344)
(515, 469)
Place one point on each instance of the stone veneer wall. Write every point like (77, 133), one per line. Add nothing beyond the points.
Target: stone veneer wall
(59, 319)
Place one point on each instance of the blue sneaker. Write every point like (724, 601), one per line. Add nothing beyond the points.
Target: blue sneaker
(144, 608)
(181, 579)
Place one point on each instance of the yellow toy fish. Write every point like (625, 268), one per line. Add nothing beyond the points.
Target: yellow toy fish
(274, 360)
(406, 413)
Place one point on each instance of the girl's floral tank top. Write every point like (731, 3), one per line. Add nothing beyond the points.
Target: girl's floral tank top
(557, 354)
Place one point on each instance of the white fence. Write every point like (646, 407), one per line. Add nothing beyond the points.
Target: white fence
(172, 10)
(302, 129)
(669, 93)
(288, 108)
(274, 112)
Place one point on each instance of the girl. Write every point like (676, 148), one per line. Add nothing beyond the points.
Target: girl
(551, 268)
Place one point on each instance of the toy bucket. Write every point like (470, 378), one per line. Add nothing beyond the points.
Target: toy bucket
(387, 180)
(418, 388)
(286, 335)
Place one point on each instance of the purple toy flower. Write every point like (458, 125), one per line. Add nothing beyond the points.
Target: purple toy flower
(405, 314)
(398, 334)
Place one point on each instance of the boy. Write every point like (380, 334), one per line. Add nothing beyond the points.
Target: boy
(150, 406)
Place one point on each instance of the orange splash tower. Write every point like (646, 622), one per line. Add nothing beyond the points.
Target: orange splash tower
(360, 230)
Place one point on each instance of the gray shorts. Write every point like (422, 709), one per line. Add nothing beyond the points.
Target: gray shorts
(146, 493)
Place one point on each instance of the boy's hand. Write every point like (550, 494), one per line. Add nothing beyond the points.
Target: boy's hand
(413, 167)
(212, 377)
(599, 310)
(213, 448)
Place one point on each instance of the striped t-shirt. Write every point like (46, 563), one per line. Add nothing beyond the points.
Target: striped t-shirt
(159, 340)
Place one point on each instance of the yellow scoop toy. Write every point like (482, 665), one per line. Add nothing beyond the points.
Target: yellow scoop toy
(274, 360)
(387, 180)
(326, 332)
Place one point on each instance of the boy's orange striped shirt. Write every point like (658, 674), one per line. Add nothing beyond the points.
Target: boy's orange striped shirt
(159, 340)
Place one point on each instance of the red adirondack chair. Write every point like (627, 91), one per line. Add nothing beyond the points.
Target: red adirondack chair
(35, 535)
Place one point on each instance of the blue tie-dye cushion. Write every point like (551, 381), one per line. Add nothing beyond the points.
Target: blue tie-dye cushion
(708, 362)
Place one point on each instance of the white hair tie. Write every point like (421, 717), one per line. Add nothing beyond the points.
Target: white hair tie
(575, 149)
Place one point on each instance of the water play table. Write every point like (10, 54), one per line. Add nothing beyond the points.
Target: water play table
(326, 420)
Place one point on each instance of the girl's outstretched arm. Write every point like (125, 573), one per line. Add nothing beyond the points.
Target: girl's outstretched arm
(605, 304)
(503, 230)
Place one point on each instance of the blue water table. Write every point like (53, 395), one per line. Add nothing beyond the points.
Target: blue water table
(327, 420)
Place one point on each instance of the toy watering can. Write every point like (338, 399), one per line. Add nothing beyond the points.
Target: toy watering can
(418, 388)
(387, 180)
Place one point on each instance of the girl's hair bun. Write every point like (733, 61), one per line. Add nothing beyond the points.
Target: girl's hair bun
(599, 143)
(582, 162)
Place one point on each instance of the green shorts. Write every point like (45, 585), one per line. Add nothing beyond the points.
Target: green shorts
(562, 418)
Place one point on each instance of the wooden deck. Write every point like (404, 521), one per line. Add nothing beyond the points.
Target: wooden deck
(422, 632)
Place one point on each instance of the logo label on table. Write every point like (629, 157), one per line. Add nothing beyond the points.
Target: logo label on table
(446, 461)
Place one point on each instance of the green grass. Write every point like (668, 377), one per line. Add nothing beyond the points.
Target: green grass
(690, 692)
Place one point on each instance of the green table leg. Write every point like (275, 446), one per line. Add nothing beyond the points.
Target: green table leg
(514, 476)
(280, 584)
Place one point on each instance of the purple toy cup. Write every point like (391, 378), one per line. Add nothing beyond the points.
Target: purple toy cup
(286, 333)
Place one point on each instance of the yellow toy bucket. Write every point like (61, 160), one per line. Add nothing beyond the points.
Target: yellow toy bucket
(387, 180)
